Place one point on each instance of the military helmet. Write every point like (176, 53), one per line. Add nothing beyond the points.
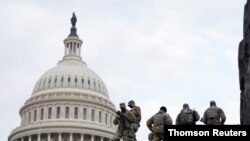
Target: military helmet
(185, 105)
(131, 102)
(163, 108)
(212, 102)
(122, 104)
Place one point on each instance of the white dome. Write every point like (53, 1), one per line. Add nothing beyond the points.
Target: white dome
(71, 75)
(69, 102)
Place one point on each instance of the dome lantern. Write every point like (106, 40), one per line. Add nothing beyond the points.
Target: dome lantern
(73, 43)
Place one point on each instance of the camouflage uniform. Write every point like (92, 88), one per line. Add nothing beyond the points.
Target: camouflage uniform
(156, 124)
(187, 116)
(136, 110)
(214, 115)
(124, 130)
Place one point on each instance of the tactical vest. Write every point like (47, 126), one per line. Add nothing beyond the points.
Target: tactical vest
(187, 116)
(213, 112)
(159, 119)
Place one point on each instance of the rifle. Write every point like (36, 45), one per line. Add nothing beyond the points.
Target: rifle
(121, 117)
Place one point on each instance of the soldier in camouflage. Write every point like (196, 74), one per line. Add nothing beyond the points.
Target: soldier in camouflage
(124, 119)
(156, 124)
(136, 110)
(187, 116)
(214, 115)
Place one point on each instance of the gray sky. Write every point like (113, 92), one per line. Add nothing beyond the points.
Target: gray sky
(157, 52)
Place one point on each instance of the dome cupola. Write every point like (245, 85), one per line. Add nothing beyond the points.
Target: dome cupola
(71, 73)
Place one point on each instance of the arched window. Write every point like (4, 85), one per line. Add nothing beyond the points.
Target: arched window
(92, 115)
(88, 83)
(50, 113)
(29, 116)
(69, 79)
(62, 79)
(106, 118)
(42, 113)
(99, 86)
(49, 80)
(82, 82)
(94, 85)
(35, 115)
(58, 112)
(76, 113)
(84, 113)
(67, 112)
(100, 116)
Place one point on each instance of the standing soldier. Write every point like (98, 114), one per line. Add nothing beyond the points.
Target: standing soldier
(156, 124)
(124, 119)
(187, 116)
(214, 115)
(136, 110)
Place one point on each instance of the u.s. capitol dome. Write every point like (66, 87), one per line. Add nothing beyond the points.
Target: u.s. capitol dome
(69, 102)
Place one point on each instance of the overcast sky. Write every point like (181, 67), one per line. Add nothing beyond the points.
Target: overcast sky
(157, 52)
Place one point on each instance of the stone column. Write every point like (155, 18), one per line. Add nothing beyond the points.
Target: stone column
(102, 138)
(38, 137)
(53, 113)
(59, 136)
(46, 111)
(22, 139)
(71, 108)
(38, 114)
(48, 136)
(71, 137)
(82, 137)
(92, 137)
(89, 109)
(79, 50)
(65, 52)
(29, 137)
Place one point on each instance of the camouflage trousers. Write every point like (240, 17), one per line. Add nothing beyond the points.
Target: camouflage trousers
(158, 132)
(125, 135)
(157, 137)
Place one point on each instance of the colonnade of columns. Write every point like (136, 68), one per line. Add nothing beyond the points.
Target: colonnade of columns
(62, 137)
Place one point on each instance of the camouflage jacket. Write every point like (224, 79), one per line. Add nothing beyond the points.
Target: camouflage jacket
(136, 110)
(187, 117)
(214, 116)
(128, 117)
(157, 121)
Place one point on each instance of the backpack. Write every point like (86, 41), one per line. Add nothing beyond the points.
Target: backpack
(187, 116)
(213, 112)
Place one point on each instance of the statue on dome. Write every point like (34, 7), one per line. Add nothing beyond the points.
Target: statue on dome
(73, 19)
